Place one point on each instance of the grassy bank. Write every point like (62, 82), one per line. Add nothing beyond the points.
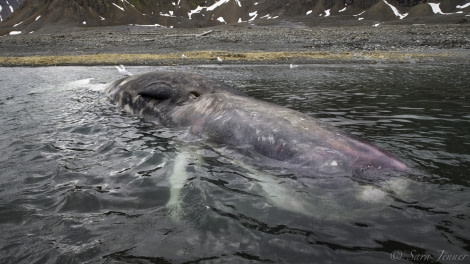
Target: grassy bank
(211, 57)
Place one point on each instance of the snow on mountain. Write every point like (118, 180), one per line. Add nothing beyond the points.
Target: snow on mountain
(463, 6)
(395, 10)
(33, 15)
(7, 7)
(436, 9)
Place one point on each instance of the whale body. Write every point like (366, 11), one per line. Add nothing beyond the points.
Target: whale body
(221, 114)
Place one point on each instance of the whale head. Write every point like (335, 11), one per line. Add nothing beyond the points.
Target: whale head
(152, 95)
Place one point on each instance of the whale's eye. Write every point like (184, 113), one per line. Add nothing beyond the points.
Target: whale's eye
(193, 95)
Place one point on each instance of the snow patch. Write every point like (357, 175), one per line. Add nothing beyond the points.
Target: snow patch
(15, 33)
(210, 8)
(217, 4)
(342, 10)
(268, 16)
(360, 13)
(195, 11)
(436, 9)
(327, 13)
(221, 20)
(253, 15)
(154, 25)
(395, 10)
(459, 6)
(15, 25)
(309, 12)
(122, 8)
(127, 2)
(37, 18)
(170, 14)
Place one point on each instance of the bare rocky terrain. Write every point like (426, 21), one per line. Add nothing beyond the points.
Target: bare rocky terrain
(366, 29)
(442, 42)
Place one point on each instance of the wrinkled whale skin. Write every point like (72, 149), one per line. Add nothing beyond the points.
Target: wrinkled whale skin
(213, 110)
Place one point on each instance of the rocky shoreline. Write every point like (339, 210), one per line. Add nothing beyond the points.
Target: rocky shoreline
(286, 42)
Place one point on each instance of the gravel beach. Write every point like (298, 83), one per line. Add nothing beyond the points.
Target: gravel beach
(287, 42)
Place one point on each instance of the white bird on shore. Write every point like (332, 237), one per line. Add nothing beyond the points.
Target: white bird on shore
(292, 66)
(219, 59)
(184, 56)
(122, 70)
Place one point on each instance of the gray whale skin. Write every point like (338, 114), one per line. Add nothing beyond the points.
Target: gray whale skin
(215, 111)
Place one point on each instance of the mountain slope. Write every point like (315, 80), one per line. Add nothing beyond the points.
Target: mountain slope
(7, 7)
(37, 15)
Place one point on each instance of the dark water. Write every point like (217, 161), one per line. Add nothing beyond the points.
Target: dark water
(83, 182)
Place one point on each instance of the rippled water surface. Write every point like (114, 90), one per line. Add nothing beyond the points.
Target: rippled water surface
(83, 182)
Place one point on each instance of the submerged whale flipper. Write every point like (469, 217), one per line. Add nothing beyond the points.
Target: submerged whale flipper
(188, 199)
(177, 180)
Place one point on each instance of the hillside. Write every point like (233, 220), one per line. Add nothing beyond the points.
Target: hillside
(57, 15)
(7, 7)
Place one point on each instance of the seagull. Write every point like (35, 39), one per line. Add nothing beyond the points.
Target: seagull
(122, 70)
(219, 59)
(184, 56)
(292, 66)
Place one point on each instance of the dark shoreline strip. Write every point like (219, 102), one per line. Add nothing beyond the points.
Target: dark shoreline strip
(208, 56)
